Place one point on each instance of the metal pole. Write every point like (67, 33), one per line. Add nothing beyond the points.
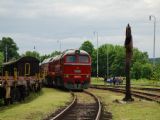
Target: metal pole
(154, 37)
(60, 45)
(97, 58)
(35, 52)
(59, 41)
(107, 64)
(96, 33)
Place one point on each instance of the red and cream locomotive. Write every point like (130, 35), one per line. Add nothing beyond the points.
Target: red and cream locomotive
(71, 70)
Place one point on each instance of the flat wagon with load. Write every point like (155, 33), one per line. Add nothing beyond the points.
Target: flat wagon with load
(18, 78)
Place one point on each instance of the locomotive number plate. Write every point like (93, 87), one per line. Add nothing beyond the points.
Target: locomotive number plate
(77, 71)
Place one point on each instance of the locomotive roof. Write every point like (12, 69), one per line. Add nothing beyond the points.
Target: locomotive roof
(66, 52)
(72, 51)
(20, 59)
(47, 60)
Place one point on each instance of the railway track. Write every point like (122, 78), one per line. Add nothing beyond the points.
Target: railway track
(85, 106)
(120, 86)
(143, 95)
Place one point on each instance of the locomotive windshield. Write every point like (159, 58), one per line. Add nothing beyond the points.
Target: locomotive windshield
(83, 59)
(70, 58)
(75, 59)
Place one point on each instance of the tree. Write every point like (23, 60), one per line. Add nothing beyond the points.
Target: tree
(43, 57)
(1, 60)
(156, 72)
(88, 47)
(55, 53)
(137, 70)
(147, 71)
(142, 57)
(118, 62)
(32, 54)
(9, 48)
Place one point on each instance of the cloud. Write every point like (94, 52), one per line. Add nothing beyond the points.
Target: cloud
(73, 21)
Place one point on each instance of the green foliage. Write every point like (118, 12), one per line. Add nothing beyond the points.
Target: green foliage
(32, 54)
(147, 71)
(115, 60)
(1, 60)
(8, 44)
(142, 57)
(157, 60)
(54, 53)
(140, 65)
(118, 61)
(136, 70)
(88, 47)
(156, 72)
(43, 57)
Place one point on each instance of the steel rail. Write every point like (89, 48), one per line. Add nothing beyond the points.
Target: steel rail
(143, 95)
(99, 105)
(65, 109)
(68, 108)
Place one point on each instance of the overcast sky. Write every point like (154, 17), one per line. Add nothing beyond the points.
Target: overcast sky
(41, 23)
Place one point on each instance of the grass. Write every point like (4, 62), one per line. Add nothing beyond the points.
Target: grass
(137, 110)
(97, 81)
(37, 106)
(140, 82)
(146, 82)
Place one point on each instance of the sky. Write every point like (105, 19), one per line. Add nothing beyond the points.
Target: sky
(47, 23)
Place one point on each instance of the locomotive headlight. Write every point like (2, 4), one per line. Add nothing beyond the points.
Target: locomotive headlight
(87, 76)
(77, 51)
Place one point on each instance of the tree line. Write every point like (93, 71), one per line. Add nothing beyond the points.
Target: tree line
(141, 66)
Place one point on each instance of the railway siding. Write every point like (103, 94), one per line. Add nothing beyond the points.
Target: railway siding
(114, 108)
(137, 93)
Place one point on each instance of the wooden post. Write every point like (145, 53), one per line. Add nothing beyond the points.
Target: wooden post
(129, 54)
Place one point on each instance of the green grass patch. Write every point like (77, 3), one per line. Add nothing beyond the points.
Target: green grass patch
(137, 110)
(145, 82)
(37, 106)
(134, 82)
(97, 81)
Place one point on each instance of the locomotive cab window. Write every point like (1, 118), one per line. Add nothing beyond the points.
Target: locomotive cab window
(83, 59)
(70, 59)
(27, 69)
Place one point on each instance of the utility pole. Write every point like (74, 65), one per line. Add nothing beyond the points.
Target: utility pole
(60, 45)
(154, 37)
(96, 34)
(107, 63)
